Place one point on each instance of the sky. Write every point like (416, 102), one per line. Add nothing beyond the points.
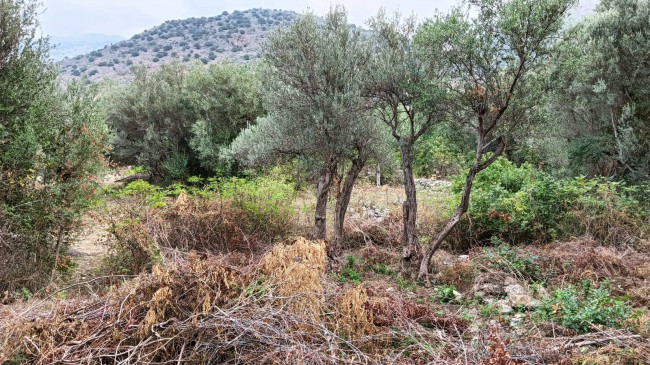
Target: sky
(125, 18)
(63, 18)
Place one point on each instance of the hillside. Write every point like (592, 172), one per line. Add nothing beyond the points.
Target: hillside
(237, 36)
(71, 46)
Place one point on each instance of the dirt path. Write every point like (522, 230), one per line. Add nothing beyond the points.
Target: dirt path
(89, 246)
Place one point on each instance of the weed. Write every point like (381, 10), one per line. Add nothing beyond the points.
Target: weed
(506, 258)
(349, 272)
(404, 284)
(445, 294)
(25, 293)
(380, 268)
(136, 170)
(489, 310)
(580, 308)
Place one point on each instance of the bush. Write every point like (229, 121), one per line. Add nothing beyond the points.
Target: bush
(580, 309)
(438, 154)
(54, 160)
(506, 258)
(264, 200)
(525, 203)
(225, 215)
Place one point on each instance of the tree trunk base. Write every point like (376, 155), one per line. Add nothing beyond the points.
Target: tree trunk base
(409, 263)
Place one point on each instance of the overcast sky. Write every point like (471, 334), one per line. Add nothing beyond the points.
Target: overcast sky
(128, 17)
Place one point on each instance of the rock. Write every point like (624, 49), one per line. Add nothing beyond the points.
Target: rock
(534, 304)
(457, 295)
(509, 280)
(516, 320)
(514, 289)
(519, 300)
(490, 289)
(542, 293)
(504, 308)
(431, 183)
(523, 300)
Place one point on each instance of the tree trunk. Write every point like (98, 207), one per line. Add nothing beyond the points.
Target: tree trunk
(322, 190)
(455, 218)
(477, 167)
(342, 202)
(57, 249)
(411, 250)
(378, 175)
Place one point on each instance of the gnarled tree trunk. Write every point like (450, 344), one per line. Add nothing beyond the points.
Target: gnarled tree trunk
(411, 250)
(477, 166)
(342, 202)
(322, 190)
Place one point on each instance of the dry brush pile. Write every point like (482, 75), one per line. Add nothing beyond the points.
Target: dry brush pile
(201, 309)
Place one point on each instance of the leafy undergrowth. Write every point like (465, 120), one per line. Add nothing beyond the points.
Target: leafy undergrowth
(209, 287)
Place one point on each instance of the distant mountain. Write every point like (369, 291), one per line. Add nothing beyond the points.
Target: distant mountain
(70, 46)
(237, 36)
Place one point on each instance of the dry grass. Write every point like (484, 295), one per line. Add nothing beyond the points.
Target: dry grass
(239, 301)
(585, 259)
(296, 270)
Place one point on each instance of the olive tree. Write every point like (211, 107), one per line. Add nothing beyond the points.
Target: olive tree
(411, 95)
(313, 82)
(174, 121)
(52, 146)
(493, 57)
(151, 120)
(602, 87)
(225, 98)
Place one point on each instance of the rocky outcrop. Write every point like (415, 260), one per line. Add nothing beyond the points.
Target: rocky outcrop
(431, 184)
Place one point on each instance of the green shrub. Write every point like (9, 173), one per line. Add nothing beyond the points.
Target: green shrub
(446, 293)
(526, 203)
(147, 194)
(176, 166)
(267, 202)
(439, 153)
(579, 309)
(380, 268)
(349, 272)
(403, 284)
